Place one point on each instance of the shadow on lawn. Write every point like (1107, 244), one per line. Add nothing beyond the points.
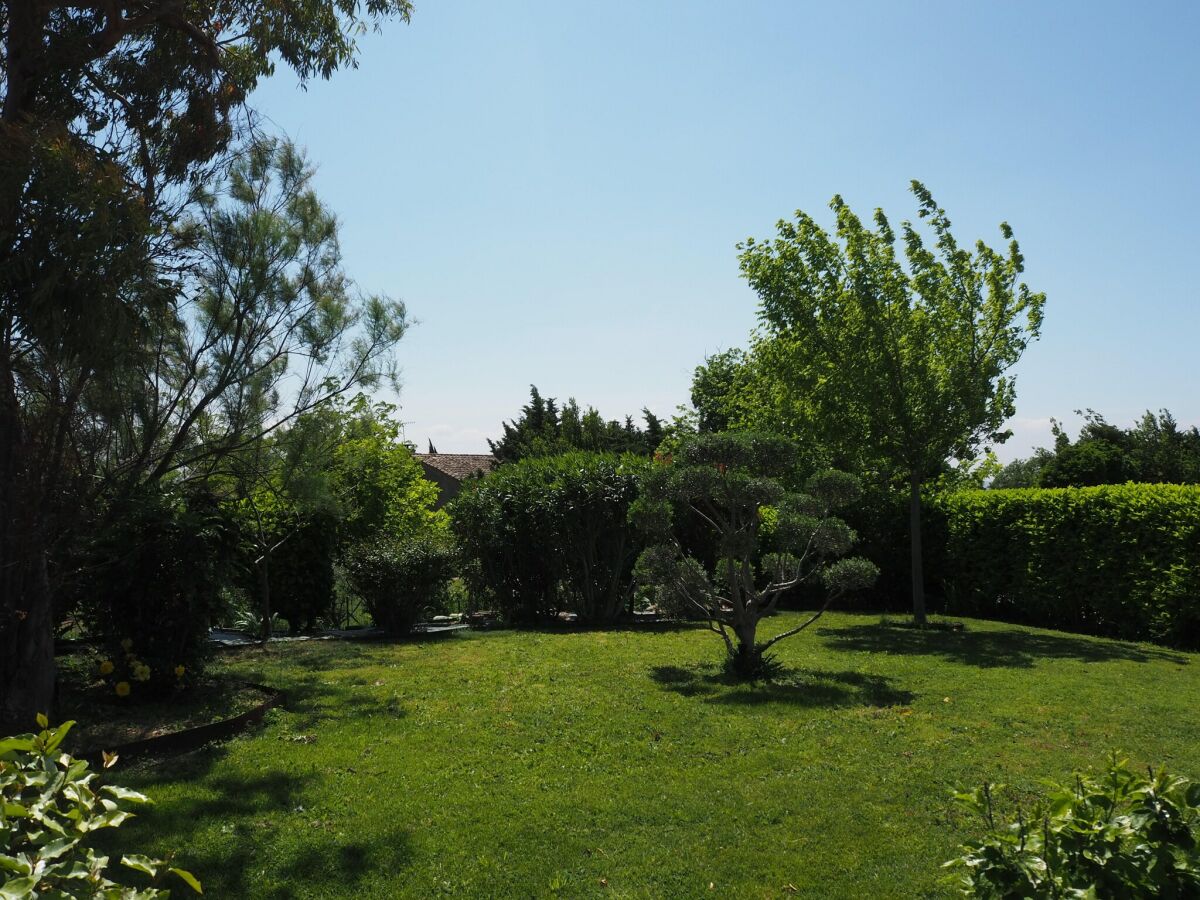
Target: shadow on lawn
(254, 812)
(1005, 648)
(810, 688)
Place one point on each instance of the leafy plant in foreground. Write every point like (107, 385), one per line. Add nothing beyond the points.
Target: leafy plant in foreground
(1117, 834)
(49, 807)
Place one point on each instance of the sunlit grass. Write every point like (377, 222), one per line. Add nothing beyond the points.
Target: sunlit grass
(618, 763)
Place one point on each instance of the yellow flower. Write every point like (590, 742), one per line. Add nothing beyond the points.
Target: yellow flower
(141, 672)
(179, 670)
(122, 689)
(126, 644)
(106, 667)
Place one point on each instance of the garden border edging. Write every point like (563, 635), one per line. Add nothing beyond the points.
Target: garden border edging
(188, 739)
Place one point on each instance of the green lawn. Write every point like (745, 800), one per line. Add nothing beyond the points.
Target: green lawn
(521, 764)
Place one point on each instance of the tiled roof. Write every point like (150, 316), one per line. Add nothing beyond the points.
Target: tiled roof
(459, 465)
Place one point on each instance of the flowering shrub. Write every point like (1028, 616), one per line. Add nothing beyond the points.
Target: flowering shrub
(129, 670)
(149, 586)
(50, 804)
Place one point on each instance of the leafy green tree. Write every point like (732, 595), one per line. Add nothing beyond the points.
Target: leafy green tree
(1154, 451)
(377, 480)
(1163, 452)
(283, 498)
(265, 326)
(723, 391)
(770, 540)
(338, 478)
(1021, 473)
(906, 361)
(110, 113)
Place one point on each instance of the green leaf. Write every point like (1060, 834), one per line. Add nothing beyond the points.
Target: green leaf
(140, 863)
(57, 848)
(19, 888)
(125, 794)
(12, 864)
(19, 744)
(57, 737)
(192, 881)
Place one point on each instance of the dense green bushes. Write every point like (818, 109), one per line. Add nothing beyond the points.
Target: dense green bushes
(548, 534)
(147, 584)
(1118, 560)
(401, 580)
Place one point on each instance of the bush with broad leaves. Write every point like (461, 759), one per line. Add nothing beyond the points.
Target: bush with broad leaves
(50, 805)
(1120, 833)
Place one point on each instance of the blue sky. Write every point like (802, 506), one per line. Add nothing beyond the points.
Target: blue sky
(556, 188)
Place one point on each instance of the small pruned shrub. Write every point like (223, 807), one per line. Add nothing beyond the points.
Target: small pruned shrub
(1116, 561)
(402, 580)
(50, 806)
(1117, 834)
(769, 540)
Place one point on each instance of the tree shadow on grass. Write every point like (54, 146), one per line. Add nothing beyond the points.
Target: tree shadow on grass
(1005, 648)
(253, 810)
(796, 687)
(343, 865)
(663, 626)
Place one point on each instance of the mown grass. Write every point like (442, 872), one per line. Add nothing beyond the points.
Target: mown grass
(618, 763)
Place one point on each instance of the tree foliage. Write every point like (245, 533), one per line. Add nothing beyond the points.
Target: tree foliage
(336, 479)
(545, 429)
(548, 534)
(1155, 450)
(770, 540)
(263, 326)
(906, 359)
(112, 113)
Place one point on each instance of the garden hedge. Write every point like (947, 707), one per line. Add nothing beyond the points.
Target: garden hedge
(1118, 560)
(551, 533)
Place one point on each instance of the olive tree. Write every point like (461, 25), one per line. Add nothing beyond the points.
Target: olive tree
(906, 362)
(770, 540)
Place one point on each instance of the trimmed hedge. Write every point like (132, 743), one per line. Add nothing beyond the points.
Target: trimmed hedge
(551, 533)
(402, 580)
(1118, 560)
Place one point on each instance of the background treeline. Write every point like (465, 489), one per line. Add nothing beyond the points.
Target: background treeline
(544, 428)
(552, 534)
(1155, 450)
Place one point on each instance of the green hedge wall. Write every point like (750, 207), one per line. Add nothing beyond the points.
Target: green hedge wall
(552, 532)
(1119, 560)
